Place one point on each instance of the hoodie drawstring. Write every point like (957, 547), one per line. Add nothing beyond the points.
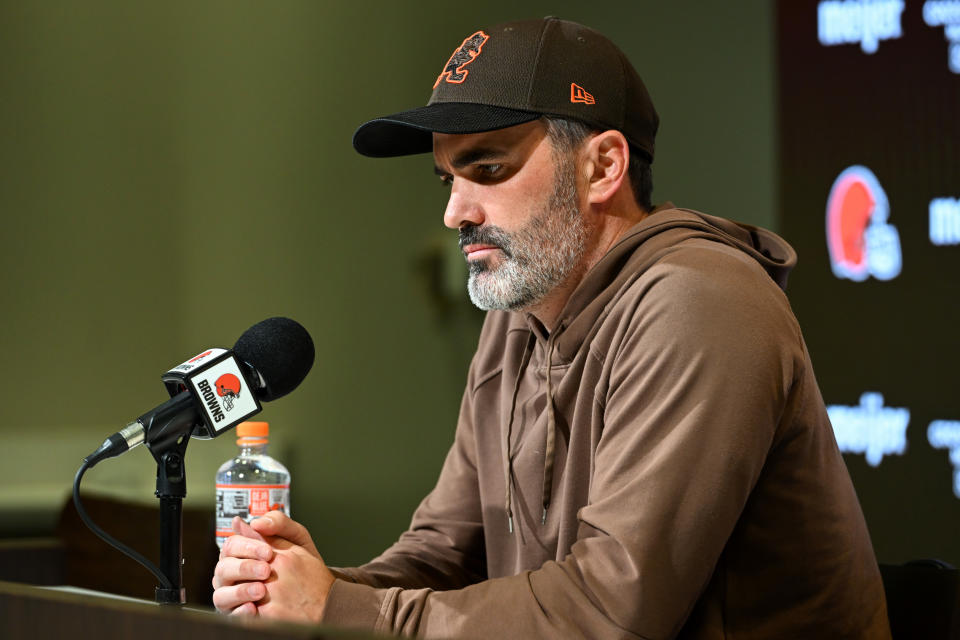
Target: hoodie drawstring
(508, 466)
(550, 449)
(551, 436)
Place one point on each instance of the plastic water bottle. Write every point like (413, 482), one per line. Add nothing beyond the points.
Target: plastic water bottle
(252, 483)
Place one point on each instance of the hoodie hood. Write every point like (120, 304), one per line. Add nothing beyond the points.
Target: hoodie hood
(661, 232)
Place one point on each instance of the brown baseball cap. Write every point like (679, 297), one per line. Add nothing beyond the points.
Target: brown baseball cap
(514, 73)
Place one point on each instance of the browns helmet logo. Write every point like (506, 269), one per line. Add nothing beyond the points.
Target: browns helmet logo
(228, 388)
(464, 55)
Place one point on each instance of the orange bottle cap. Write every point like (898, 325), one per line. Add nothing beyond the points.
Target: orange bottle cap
(259, 430)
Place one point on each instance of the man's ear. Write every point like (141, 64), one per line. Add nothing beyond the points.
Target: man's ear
(606, 158)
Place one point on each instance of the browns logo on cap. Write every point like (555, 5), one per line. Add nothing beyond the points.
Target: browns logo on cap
(466, 53)
(517, 72)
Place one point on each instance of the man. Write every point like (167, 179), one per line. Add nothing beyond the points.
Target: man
(642, 451)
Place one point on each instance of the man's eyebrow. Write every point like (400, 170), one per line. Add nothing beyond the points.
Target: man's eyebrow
(471, 156)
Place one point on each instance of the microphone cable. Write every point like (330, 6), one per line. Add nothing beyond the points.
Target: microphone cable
(106, 537)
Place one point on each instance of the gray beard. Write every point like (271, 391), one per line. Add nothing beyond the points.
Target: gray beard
(537, 258)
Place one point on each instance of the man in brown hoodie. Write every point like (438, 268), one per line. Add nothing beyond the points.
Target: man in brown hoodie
(642, 450)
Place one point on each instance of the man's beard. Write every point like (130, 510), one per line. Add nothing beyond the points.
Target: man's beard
(537, 258)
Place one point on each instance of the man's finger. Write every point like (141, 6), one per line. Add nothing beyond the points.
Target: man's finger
(241, 527)
(246, 609)
(238, 546)
(226, 599)
(278, 524)
(232, 570)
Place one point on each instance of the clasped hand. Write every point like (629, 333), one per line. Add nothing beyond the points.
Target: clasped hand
(271, 568)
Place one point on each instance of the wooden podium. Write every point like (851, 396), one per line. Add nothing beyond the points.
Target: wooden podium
(39, 613)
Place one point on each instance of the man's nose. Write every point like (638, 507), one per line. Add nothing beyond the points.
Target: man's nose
(462, 207)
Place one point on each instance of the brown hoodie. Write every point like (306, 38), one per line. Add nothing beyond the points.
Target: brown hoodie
(671, 469)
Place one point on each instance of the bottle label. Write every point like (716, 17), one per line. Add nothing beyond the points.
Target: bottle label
(248, 501)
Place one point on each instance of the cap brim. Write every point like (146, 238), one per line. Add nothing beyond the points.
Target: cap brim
(411, 131)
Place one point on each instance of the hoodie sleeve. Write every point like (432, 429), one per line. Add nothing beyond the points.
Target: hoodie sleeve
(698, 379)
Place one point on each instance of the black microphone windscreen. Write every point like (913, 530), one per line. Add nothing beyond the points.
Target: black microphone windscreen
(281, 350)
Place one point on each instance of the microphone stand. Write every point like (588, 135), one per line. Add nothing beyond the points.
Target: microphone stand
(168, 434)
(172, 489)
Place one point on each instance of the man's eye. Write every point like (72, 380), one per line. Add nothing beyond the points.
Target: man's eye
(446, 179)
(489, 170)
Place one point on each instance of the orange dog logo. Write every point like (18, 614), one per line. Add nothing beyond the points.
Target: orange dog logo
(465, 54)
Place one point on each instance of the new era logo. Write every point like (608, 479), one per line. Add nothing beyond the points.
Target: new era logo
(579, 94)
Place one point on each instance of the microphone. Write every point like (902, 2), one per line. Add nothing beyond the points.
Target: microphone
(218, 388)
